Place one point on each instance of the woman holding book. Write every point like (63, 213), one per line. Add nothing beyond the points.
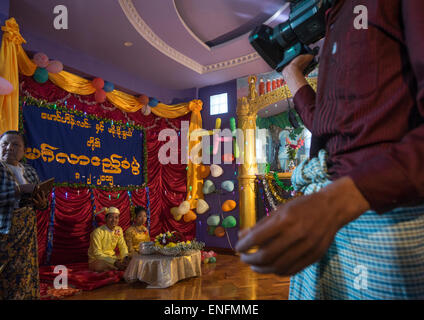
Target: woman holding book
(19, 195)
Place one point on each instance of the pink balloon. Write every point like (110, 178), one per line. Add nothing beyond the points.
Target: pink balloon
(5, 87)
(100, 96)
(41, 60)
(55, 67)
(226, 139)
(216, 142)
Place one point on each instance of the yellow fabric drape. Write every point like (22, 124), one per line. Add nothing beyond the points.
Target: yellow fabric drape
(193, 180)
(9, 104)
(72, 83)
(13, 57)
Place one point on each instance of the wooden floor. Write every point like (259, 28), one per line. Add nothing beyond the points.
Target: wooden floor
(227, 279)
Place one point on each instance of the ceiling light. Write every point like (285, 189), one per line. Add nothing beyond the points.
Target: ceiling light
(128, 44)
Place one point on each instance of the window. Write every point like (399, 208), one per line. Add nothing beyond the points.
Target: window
(219, 104)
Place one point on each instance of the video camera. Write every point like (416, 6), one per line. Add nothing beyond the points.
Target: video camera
(305, 26)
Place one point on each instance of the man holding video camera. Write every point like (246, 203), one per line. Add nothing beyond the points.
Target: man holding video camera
(361, 236)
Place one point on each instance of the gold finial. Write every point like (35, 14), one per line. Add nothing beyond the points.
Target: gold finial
(252, 88)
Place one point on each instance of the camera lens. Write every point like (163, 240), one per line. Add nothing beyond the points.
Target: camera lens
(284, 35)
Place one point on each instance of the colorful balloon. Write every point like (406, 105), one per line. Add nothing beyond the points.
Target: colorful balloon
(203, 171)
(184, 207)
(216, 143)
(100, 96)
(143, 99)
(228, 185)
(213, 220)
(175, 214)
(229, 205)
(109, 86)
(153, 102)
(208, 187)
(146, 110)
(202, 206)
(41, 60)
(219, 232)
(190, 216)
(211, 230)
(233, 125)
(228, 158)
(5, 87)
(218, 123)
(55, 67)
(216, 171)
(41, 75)
(98, 83)
(229, 222)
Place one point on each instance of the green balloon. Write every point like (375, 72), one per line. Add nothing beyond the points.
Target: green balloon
(212, 260)
(41, 75)
(213, 220)
(211, 230)
(232, 124)
(229, 222)
(208, 187)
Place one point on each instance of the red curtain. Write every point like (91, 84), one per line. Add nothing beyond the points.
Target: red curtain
(73, 215)
(73, 223)
(167, 188)
(43, 222)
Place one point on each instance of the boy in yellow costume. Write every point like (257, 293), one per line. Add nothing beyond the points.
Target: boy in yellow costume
(103, 242)
(137, 233)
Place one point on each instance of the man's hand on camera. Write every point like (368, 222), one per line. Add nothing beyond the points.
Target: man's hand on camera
(293, 73)
(299, 63)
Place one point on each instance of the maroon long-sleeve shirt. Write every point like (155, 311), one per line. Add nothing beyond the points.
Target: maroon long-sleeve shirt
(368, 112)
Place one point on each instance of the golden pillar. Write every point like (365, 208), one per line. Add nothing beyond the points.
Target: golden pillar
(248, 167)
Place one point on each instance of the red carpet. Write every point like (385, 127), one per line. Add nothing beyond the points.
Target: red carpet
(79, 278)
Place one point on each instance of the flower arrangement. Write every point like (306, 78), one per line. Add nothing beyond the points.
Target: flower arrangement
(169, 239)
(172, 243)
(292, 148)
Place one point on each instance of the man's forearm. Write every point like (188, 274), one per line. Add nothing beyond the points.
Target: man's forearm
(346, 199)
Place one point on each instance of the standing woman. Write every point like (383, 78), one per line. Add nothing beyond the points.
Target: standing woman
(19, 278)
(138, 232)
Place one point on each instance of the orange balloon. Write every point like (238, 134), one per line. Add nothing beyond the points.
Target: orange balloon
(228, 205)
(190, 216)
(228, 157)
(98, 83)
(100, 96)
(204, 171)
(219, 232)
(143, 99)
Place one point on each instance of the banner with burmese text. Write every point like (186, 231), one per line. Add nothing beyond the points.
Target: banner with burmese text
(80, 149)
